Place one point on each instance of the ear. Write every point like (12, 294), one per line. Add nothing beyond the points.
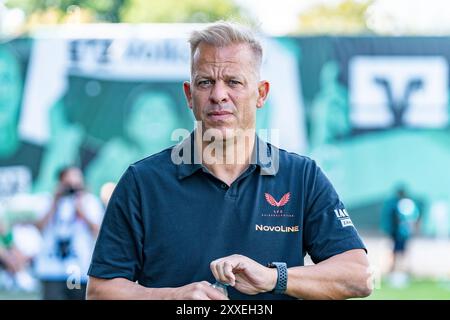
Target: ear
(263, 91)
(187, 93)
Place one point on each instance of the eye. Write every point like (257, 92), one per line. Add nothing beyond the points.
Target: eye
(204, 83)
(233, 82)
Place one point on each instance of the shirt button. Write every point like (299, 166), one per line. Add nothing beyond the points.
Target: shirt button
(224, 186)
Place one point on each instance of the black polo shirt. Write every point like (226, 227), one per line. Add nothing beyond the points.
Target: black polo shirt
(166, 222)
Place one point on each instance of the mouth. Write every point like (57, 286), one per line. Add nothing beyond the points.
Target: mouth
(220, 115)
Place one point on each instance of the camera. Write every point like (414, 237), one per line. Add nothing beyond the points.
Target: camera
(64, 247)
(71, 190)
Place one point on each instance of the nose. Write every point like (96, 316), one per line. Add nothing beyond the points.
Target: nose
(219, 93)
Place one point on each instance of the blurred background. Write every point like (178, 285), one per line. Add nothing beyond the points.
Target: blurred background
(361, 86)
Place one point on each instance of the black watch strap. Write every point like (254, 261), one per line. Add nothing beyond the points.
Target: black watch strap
(281, 285)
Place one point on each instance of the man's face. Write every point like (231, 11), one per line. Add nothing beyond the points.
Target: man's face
(73, 178)
(225, 91)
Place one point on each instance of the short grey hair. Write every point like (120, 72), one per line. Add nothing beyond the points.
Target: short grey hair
(225, 33)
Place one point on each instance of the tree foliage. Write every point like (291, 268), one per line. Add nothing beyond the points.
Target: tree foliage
(133, 11)
(179, 11)
(346, 17)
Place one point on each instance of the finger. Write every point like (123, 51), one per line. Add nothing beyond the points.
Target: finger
(220, 272)
(228, 274)
(214, 270)
(225, 269)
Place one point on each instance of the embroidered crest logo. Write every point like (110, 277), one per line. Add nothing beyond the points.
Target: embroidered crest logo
(283, 201)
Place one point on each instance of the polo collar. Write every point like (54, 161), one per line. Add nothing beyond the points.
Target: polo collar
(264, 155)
(187, 164)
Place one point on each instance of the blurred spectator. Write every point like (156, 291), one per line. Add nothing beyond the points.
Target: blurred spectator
(13, 261)
(400, 218)
(69, 228)
(9, 260)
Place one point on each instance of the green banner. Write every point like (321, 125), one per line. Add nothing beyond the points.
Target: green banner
(372, 111)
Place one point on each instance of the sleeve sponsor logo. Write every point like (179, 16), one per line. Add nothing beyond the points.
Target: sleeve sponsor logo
(346, 222)
(343, 217)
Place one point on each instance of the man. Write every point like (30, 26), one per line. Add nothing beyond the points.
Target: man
(400, 219)
(69, 229)
(244, 215)
(12, 259)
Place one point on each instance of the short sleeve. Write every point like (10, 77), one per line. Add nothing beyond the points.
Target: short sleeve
(328, 229)
(118, 250)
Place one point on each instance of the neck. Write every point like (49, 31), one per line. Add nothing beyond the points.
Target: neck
(228, 158)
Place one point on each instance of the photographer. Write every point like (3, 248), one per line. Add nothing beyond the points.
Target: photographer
(69, 229)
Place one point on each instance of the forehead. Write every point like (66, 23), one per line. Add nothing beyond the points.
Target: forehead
(72, 173)
(239, 55)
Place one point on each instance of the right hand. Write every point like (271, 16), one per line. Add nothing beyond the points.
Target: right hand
(197, 291)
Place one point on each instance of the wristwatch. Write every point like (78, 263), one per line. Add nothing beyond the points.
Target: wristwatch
(281, 285)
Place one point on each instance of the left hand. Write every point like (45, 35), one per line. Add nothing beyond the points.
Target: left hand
(244, 274)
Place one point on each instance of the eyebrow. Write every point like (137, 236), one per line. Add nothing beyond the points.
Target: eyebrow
(226, 76)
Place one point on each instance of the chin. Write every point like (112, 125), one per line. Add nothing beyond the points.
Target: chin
(219, 132)
(228, 134)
